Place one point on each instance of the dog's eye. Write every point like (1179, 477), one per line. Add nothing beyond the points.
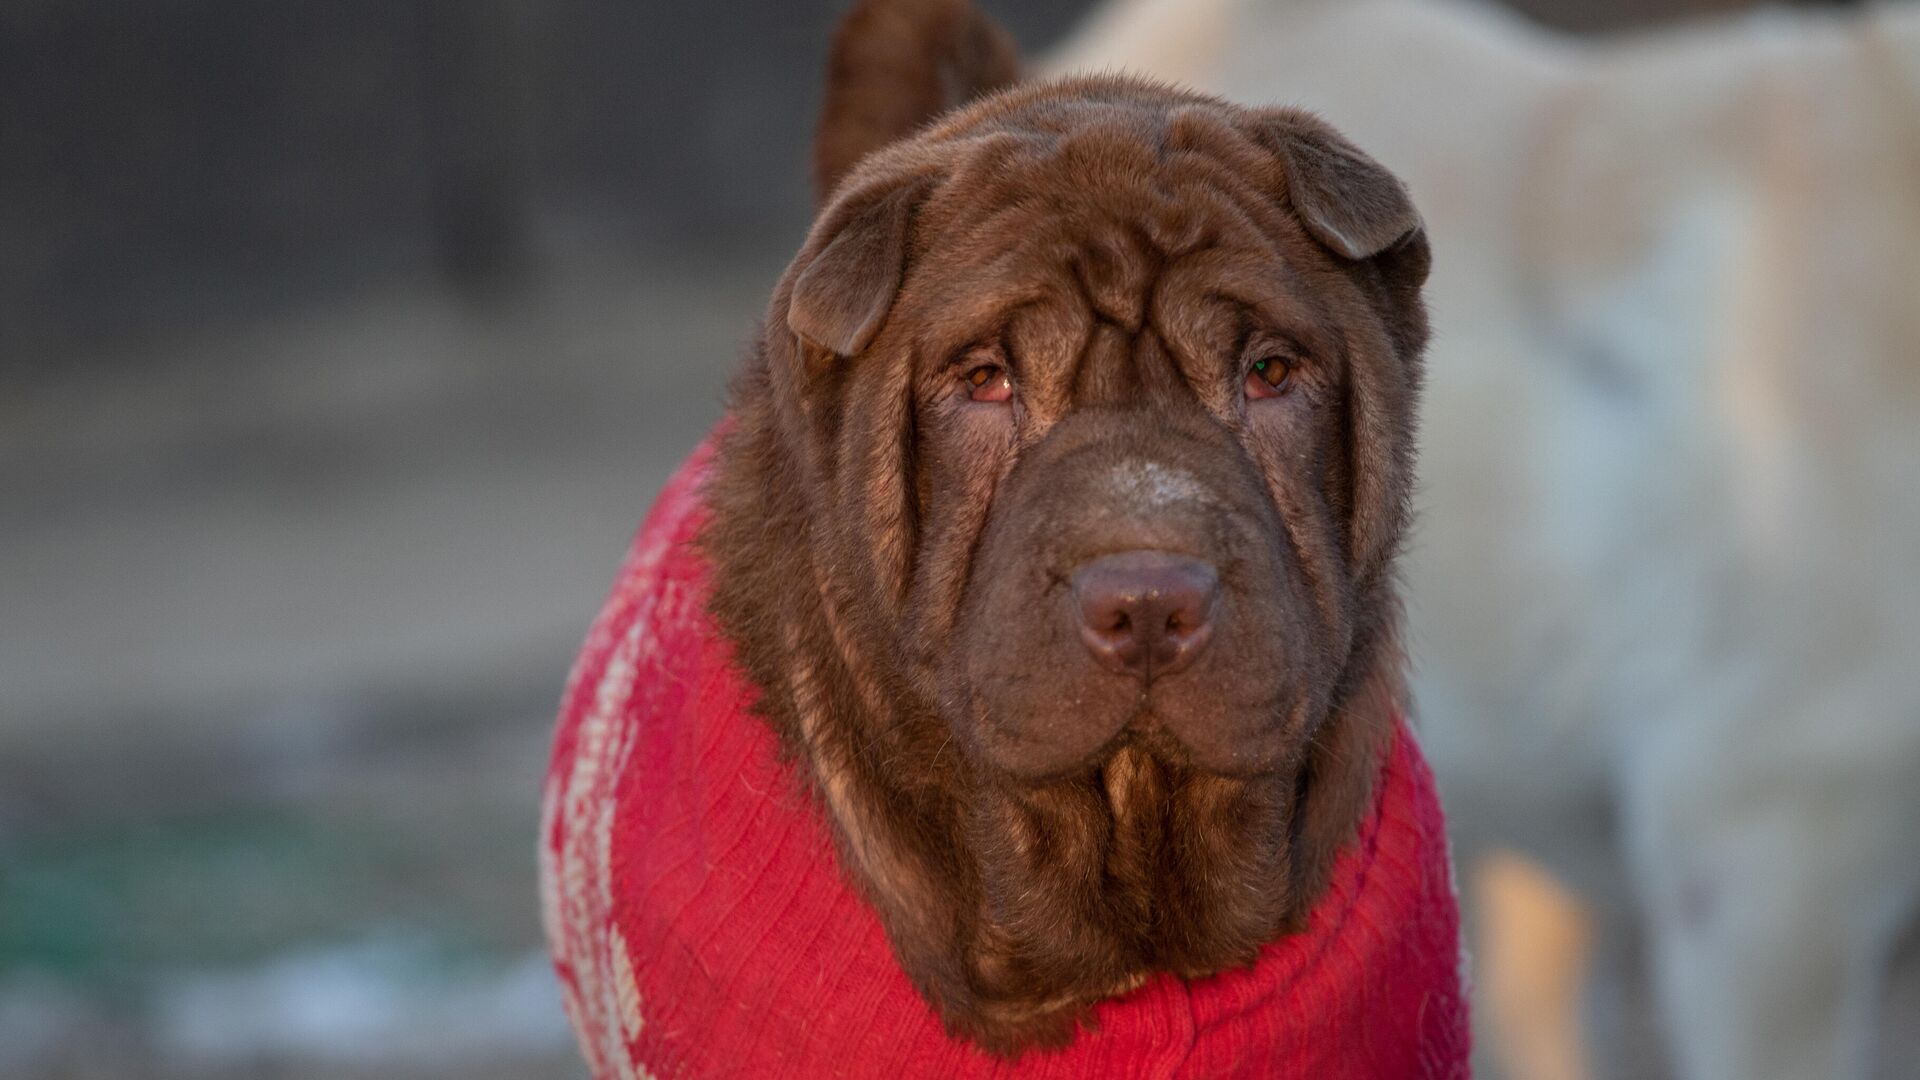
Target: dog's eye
(1270, 376)
(989, 382)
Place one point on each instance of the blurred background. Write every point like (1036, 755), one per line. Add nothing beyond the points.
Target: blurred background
(342, 346)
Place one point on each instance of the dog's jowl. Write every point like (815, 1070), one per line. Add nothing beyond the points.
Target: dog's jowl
(1013, 685)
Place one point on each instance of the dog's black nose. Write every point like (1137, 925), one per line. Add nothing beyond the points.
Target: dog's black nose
(1145, 613)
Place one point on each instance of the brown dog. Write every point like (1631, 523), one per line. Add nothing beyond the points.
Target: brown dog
(1058, 516)
(1054, 530)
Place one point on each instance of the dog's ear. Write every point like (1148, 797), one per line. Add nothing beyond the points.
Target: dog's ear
(1347, 201)
(852, 266)
(895, 65)
(1357, 210)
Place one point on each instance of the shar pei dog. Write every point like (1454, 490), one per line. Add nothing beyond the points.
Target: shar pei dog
(1014, 685)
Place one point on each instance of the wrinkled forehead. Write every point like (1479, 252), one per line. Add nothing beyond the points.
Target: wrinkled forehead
(1118, 216)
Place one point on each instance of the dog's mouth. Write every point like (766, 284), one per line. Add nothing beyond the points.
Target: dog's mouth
(1145, 651)
(1066, 709)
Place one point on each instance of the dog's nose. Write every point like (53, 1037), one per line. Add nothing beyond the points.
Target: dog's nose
(1145, 613)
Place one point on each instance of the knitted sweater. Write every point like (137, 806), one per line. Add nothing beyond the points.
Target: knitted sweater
(701, 926)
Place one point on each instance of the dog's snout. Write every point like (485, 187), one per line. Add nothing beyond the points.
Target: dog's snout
(1145, 613)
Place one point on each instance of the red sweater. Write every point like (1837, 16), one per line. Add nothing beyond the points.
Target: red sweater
(701, 926)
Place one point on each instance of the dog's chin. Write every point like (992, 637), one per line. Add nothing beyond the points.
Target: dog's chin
(1022, 748)
(1238, 742)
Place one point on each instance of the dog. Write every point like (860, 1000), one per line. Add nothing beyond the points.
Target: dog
(1015, 680)
(1664, 599)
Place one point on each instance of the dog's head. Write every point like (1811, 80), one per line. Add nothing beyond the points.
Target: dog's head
(1058, 522)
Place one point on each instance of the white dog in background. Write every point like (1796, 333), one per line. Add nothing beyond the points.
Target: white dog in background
(1666, 586)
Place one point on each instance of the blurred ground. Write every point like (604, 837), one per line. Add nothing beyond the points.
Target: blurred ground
(288, 605)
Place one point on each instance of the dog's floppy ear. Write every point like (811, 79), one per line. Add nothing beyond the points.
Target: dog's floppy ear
(852, 267)
(1352, 206)
(895, 65)
(1346, 200)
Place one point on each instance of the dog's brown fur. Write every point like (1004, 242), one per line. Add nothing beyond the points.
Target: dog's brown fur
(891, 557)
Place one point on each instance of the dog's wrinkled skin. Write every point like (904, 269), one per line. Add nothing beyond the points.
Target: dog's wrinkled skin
(897, 554)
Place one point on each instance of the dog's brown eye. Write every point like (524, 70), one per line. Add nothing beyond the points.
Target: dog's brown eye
(1270, 376)
(989, 382)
